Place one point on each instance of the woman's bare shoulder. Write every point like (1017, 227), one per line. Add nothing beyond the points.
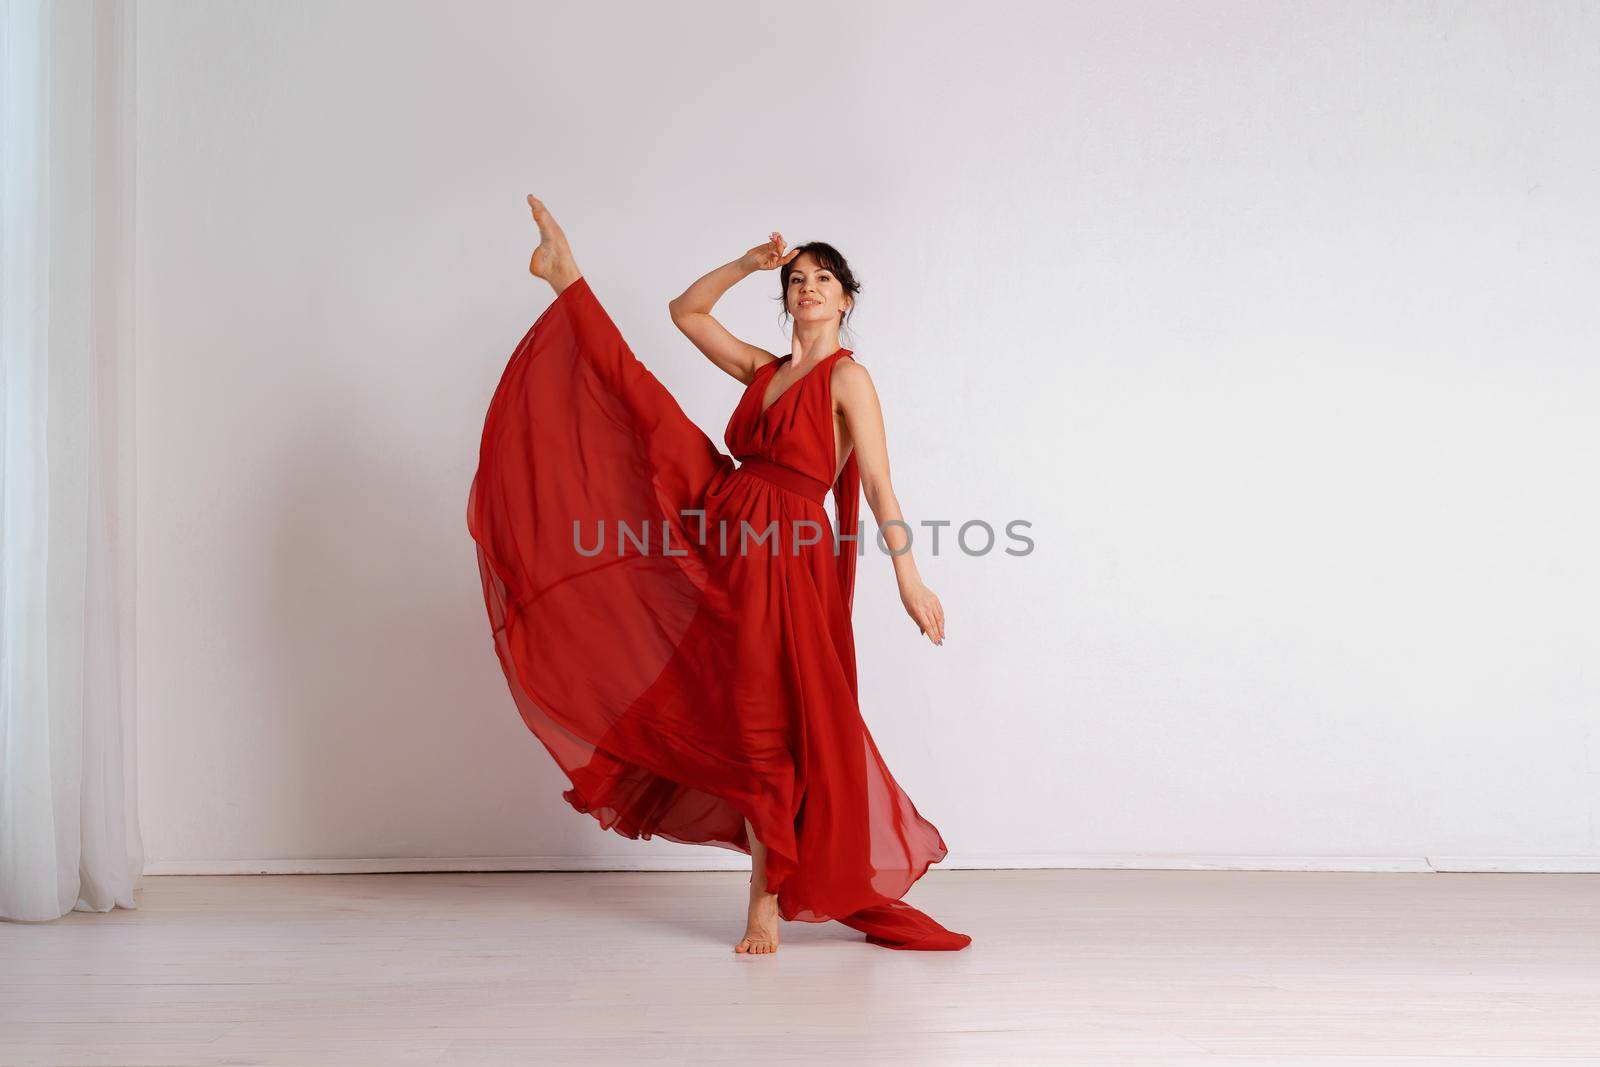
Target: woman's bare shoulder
(849, 373)
(851, 383)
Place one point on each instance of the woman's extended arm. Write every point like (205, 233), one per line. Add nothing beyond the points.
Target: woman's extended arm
(863, 416)
(691, 311)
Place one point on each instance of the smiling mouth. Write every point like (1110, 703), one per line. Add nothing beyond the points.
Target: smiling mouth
(807, 303)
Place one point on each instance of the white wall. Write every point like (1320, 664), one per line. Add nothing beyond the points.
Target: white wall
(1278, 321)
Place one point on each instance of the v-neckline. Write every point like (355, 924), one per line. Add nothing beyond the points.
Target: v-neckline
(761, 413)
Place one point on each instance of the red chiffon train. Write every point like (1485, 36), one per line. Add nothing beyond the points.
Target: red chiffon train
(682, 678)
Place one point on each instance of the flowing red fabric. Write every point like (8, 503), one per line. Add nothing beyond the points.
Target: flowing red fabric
(685, 680)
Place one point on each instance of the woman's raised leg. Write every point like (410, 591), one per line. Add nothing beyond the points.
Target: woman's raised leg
(552, 260)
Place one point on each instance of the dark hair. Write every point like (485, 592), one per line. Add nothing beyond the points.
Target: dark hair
(829, 259)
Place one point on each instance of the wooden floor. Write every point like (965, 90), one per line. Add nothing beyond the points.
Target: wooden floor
(1093, 966)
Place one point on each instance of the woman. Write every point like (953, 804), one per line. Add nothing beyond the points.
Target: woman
(675, 628)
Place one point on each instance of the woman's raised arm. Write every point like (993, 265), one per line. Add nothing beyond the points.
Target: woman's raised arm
(691, 311)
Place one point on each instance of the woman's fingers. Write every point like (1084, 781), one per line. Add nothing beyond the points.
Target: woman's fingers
(928, 614)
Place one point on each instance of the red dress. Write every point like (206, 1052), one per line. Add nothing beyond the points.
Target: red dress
(685, 679)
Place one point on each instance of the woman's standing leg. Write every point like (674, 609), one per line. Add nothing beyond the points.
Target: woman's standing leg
(761, 926)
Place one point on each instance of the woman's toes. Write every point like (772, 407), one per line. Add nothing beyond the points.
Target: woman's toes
(756, 946)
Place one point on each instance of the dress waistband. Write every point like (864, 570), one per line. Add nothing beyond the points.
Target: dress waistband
(813, 489)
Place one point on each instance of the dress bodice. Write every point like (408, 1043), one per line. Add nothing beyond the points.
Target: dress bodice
(796, 430)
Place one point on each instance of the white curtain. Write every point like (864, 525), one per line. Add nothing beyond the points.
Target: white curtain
(69, 832)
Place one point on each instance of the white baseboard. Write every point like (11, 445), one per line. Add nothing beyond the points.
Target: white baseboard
(725, 860)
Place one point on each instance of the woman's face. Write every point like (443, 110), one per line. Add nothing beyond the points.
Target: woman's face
(814, 294)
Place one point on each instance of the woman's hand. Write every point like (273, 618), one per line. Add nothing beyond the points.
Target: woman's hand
(768, 256)
(924, 609)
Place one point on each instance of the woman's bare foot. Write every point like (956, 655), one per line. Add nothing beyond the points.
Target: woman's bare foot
(761, 929)
(761, 924)
(552, 260)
